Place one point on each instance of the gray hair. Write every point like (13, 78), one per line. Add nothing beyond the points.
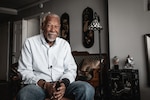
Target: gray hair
(48, 15)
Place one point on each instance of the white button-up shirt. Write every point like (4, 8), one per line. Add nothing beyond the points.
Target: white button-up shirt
(40, 61)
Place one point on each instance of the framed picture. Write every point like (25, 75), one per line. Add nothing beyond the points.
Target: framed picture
(147, 55)
(148, 5)
(64, 30)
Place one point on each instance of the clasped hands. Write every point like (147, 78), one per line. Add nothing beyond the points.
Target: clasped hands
(55, 90)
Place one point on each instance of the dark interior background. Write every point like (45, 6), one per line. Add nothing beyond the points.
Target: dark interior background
(7, 7)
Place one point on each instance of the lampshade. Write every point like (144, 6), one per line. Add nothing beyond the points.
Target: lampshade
(95, 24)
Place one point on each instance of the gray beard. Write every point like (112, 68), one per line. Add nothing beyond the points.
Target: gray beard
(50, 40)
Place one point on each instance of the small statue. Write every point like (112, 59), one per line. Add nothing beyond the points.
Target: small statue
(116, 62)
(129, 63)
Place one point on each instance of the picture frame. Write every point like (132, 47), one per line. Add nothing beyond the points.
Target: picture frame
(148, 5)
(147, 55)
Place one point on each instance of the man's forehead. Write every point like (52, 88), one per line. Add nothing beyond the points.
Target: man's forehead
(53, 22)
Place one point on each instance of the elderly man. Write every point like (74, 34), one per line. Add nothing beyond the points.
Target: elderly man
(45, 60)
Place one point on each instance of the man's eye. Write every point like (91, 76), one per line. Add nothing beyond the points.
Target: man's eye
(49, 25)
(54, 26)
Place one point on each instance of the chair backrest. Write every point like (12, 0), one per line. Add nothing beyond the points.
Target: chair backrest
(14, 74)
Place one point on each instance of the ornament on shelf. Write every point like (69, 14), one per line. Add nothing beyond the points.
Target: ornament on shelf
(116, 62)
(129, 63)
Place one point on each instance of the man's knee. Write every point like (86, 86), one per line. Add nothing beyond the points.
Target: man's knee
(86, 87)
(30, 91)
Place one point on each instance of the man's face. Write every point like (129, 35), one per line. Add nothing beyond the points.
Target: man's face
(51, 30)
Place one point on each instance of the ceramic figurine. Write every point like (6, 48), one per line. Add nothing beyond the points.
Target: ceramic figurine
(129, 63)
(116, 62)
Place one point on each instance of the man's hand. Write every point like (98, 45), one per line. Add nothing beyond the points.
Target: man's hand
(50, 88)
(60, 91)
(55, 90)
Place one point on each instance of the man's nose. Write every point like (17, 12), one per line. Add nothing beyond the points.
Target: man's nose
(52, 28)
